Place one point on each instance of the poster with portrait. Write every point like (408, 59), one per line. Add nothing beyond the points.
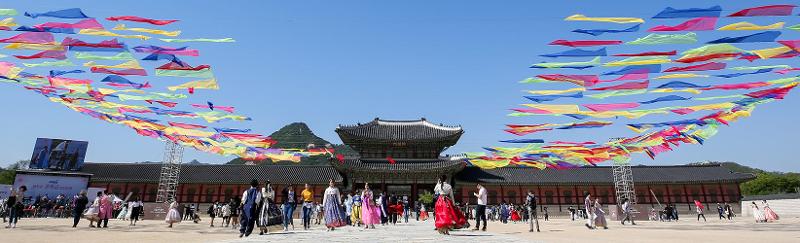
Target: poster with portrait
(58, 154)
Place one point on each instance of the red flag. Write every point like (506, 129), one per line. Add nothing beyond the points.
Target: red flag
(391, 161)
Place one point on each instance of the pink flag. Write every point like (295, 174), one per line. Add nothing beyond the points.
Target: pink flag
(83, 24)
(141, 20)
(649, 53)
(31, 38)
(186, 125)
(581, 43)
(124, 72)
(627, 86)
(628, 76)
(696, 24)
(776, 93)
(737, 86)
(611, 107)
(60, 55)
(769, 10)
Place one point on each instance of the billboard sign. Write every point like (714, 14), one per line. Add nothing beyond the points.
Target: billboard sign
(51, 185)
(58, 154)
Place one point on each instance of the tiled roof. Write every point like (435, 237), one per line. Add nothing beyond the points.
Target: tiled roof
(601, 175)
(222, 174)
(401, 165)
(399, 130)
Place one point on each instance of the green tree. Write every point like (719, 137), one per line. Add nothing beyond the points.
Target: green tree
(772, 183)
(7, 175)
(426, 198)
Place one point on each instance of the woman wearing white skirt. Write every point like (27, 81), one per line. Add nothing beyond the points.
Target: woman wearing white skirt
(122, 213)
(757, 214)
(265, 219)
(173, 216)
(92, 213)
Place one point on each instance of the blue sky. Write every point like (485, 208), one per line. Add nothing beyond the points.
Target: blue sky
(340, 62)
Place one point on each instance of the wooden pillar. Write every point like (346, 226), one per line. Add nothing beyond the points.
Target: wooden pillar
(558, 198)
(667, 193)
(705, 194)
(502, 194)
(201, 193)
(219, 194)
(539, 195)
(685, 193)
(143, 192)
(413, 196)
(721, 192)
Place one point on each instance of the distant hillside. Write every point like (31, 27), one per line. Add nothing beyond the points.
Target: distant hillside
(299, 136)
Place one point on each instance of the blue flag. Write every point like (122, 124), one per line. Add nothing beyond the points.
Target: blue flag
(72, 13)
(671, 13)
(766, 36)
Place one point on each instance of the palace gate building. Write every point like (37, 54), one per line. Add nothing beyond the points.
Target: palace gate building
(406, 158)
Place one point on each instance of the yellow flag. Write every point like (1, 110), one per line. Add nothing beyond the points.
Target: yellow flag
(112, 34)
(552, 92)
(618, 20)
(199, 84)
(132, 64)
(151, 31)
(771, 52)
(187, 132)
(671, 90)
(682, 75)
(751, 26)
(7, 22)
(556, 109)
(40, 47)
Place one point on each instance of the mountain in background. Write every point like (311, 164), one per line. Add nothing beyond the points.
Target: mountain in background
(299, 136)
(733, 166)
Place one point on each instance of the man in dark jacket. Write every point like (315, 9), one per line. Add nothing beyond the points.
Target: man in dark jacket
(80, 204)
(530, 204)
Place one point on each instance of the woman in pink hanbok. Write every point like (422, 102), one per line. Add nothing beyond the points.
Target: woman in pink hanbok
(768, 213)
(370, 213)
(106, 210)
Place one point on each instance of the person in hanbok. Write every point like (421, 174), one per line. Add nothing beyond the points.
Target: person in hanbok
(768, 212)
(757, 214)
(106, 210)
(370, 213)
(355, 215)
(382, 204)
(92, 214)
(515, 215)
(587, 205)
(334, 217)
(173, 216)
(212, 212)
(423, 214)
(447, 216)
(267, 216)
(599, 215)
(123, 212)
(348, 208)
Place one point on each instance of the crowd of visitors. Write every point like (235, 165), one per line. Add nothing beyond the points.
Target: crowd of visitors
(258, 209)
